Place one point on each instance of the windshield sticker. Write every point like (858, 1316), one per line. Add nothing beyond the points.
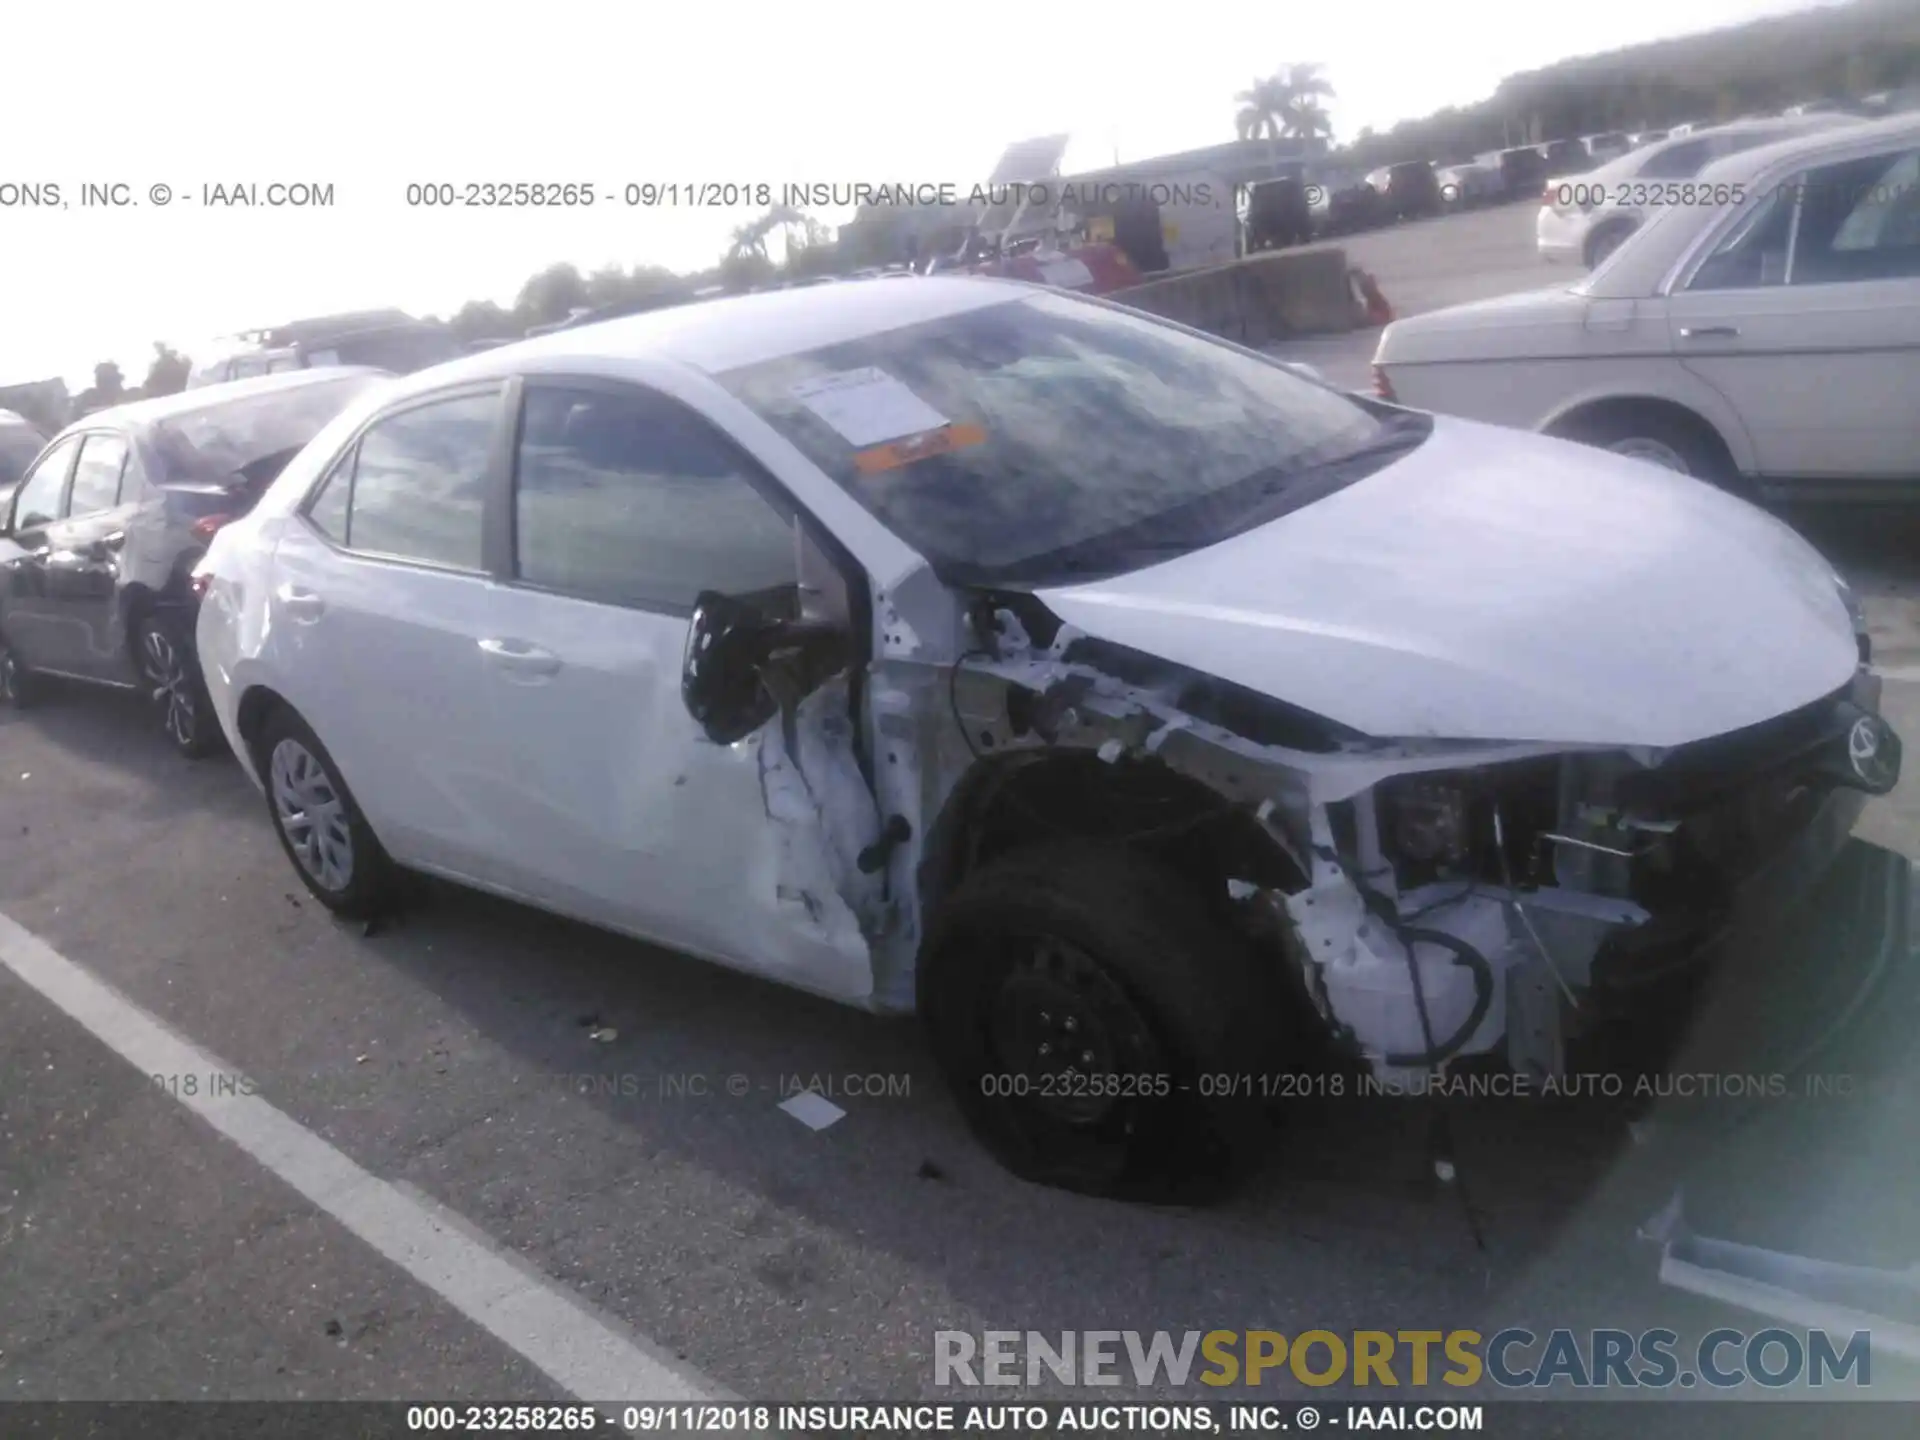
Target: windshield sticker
(943, 441)
(867, 406)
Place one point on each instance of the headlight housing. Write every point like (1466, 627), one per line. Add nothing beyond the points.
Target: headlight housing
(1857, 613)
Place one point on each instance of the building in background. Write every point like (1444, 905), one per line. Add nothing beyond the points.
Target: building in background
(44, 404)
(1171, 212)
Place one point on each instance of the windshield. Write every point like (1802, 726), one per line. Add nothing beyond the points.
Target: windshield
(224, 437)
(1054, 438)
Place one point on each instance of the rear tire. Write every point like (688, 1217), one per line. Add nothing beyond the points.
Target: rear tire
(1661, 437)
(164, 652)
(326, 838)
(1092, 1015)
(19, 686)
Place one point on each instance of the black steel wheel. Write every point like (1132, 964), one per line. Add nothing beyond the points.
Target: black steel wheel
(1100, 1026)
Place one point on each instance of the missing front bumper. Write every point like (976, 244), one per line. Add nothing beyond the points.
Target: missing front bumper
(1797, 1200)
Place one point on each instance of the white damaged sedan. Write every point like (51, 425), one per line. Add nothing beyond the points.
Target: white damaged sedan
(1152, 720)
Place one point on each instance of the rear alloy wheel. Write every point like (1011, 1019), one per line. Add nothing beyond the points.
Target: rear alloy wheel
(1660, 437)
(179, 695)
(1101, 1029)
(319, 823)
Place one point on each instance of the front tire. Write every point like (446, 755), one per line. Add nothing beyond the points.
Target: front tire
(320, 825)
(176, 688)
(1101, 1028)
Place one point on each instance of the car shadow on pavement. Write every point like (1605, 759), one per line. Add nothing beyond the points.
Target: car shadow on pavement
(1350, 1213)
(118, 730)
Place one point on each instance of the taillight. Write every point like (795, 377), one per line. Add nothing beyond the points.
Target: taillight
(206, 525)
(1382, 386)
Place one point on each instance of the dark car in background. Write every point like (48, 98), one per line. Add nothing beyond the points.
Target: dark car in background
(1412, 190)
(100, 537)
(1523, 170)
(389, 340)
(1279, 213)
(1568, 157)
(1341, 202)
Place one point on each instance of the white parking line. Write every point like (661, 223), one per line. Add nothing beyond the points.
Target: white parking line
(591, 1356)
(1902, 674)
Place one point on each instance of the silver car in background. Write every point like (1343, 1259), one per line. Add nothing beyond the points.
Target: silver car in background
(1584, 218)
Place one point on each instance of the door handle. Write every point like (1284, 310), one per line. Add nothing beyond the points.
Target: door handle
(301, 603)
(520, 657)
(1709, 332)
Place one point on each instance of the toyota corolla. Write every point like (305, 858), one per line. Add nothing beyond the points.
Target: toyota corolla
(1147, 716)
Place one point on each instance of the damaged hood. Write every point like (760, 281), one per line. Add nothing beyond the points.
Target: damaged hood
(1496, 585)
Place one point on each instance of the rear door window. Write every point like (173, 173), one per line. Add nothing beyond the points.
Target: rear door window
(417, 484)
(1754, 253)
(1860, 221)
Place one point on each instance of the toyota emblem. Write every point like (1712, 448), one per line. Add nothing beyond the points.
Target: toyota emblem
(1863, 747)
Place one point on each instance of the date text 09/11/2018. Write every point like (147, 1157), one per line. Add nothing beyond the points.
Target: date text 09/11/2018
(797, 195)
(922, 1418)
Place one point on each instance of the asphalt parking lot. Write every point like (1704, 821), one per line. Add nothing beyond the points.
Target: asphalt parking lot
(1424, 265)
(519, 1137)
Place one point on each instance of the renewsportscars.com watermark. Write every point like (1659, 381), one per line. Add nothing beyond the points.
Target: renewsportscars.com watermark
(1513, 1358)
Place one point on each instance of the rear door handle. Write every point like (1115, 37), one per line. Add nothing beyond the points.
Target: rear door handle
(520, 657)
(301, 603)
(1709, 332)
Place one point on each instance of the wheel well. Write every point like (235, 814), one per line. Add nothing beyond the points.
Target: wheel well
(1598, 413)
(1009, 802)
(139, 603)
(256, 707)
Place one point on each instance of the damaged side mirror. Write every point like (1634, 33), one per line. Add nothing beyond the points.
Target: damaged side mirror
(720, 683)
(743, 664)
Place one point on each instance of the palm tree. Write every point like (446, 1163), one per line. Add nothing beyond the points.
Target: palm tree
(749, 240)
(1262, 110)
(1286, 104)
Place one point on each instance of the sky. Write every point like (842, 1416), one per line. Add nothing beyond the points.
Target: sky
(369, 98)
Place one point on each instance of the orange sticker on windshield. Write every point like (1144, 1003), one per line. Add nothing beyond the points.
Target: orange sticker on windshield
(896, 453)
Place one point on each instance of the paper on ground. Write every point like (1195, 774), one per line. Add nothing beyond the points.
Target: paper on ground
(813, 1110)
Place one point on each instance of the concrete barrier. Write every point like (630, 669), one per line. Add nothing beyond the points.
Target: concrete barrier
(1257, 300)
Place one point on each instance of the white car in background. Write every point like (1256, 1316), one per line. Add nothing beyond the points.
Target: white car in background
(1609, 146)
(1770, 342)
(1584, 217)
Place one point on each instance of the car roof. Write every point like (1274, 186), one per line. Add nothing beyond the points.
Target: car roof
(1639, 266)
(137, 413)
(718, 335)
(1824, 132)
(1787, 127)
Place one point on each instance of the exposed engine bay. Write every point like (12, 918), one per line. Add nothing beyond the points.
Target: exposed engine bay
(1436, 902)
